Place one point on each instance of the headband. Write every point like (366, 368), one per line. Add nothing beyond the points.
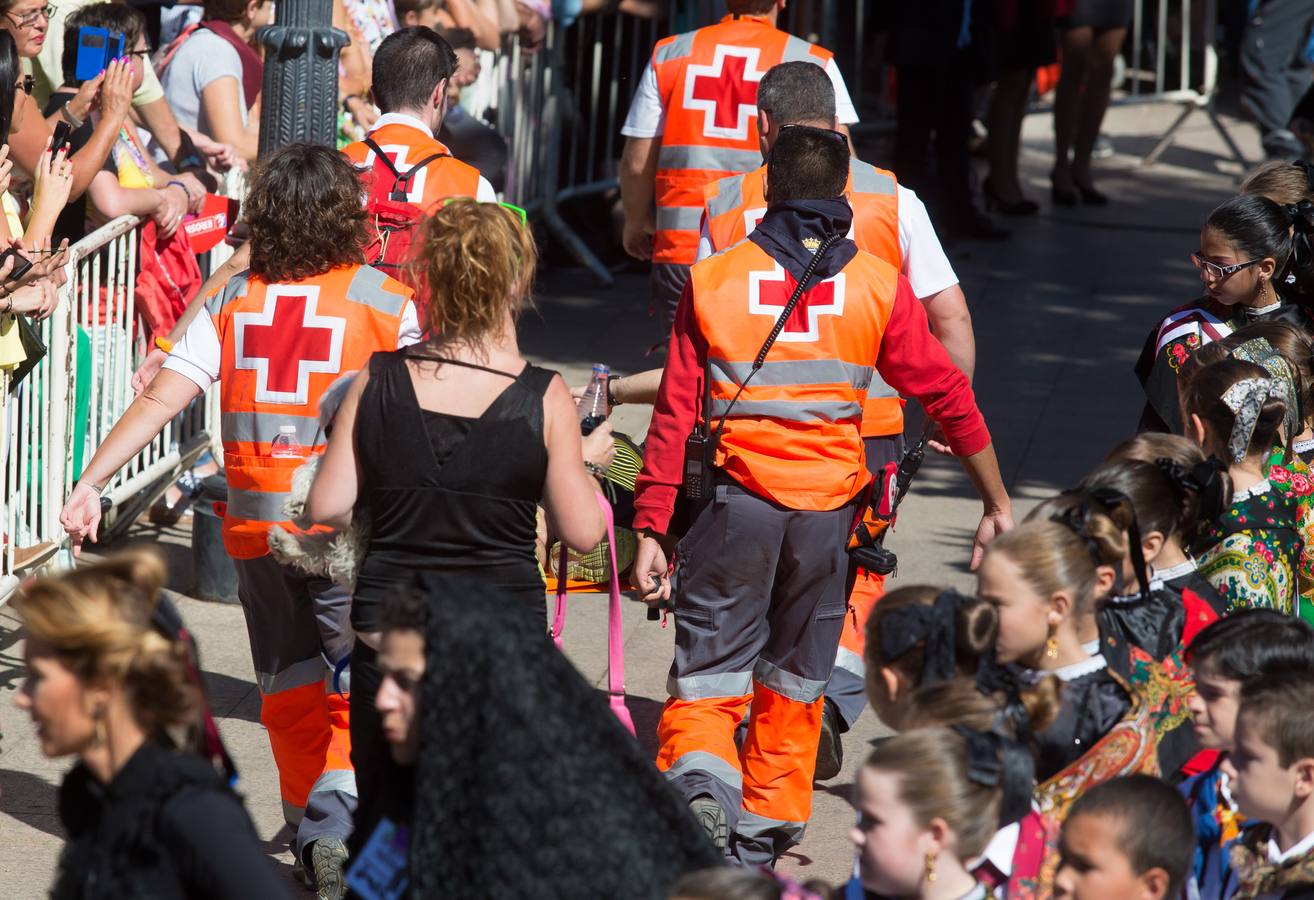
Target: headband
(933, 626)
(1260, 352)
(996, 761)
(1246, 399)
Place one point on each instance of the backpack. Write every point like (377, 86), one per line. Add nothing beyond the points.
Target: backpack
(394, 220)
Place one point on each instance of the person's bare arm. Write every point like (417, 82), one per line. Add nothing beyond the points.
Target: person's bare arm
(333, 493)
(638, 178)
(951, 323)
(568, 490)
(982, 468)
(161, 123)
(467, 14)
(221, 101)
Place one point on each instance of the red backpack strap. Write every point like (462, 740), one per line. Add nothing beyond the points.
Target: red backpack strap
(172, 49)
(401, 183)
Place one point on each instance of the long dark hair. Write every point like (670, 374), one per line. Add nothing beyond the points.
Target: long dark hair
(9, 74)
(1258, 226)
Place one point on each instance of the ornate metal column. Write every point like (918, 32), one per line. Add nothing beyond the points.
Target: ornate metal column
(300, 92)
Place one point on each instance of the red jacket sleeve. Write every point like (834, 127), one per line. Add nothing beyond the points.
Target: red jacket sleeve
(673, 418)
(916, 365)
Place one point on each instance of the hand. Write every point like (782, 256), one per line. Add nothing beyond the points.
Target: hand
(79, 105)
(6, 168)
(37, 300)
(149, 368)
(116, 91)
(169, 213)
(637, 238)
(81, 515)
(195, 191)
(533, 28)
(53, 180)
(993, 524)
(364, 113)
(46, 263)
(221, 156)
(650, 570)
(938, 442)
(600, 446)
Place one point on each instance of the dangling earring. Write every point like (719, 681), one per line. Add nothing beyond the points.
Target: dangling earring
(1051, 646)
(930, 868)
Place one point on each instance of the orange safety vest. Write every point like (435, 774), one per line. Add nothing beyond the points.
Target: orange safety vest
(707, 80)
(793, 435)
(734, 206)
(406, 145)
(282, 346)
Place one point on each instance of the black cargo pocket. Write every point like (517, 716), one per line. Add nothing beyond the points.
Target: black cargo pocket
(830, 611)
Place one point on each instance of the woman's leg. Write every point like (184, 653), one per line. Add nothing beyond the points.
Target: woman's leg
(1007, 107)
(1095, 100)
(1075, 44)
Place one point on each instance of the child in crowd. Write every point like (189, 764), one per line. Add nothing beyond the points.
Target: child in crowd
(1169, 529)
(1235, 410)
(1288, 184)
(928, 807)
(1271, 768)
(1126, 839)
(1245, 247)
(1231, 654)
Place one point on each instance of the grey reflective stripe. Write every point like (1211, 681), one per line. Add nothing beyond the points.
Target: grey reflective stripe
(257, 506)
(787, 684)
(679, 47)
(706, 687)
(718, 159)
(802, 371)
(254, 427)
(299, 674)
(367, 287)
(867, 179)
(850, 662)
(237, 286)
(679, 218)
(754, 826)
(343, 780)
(710, 763)
(790, 410)
(799, 50)
(879, 387)
(729, 194)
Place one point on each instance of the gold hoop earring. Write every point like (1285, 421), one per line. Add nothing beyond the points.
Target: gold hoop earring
(930, 868)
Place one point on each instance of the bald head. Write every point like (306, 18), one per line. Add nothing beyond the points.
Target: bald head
(793, 93)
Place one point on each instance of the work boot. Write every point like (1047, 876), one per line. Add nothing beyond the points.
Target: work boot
(830, 746)
(711, 816)
(328, 860)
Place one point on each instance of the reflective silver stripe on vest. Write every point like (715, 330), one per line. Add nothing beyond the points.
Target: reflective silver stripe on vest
(679, 47)
(299, 674)
(751, 825)
(367, 287)
(801, 371)
(849, 661)
(237, 286)
(257, 506)
(879, 388)
(343, 780)
(262, 428)
(707, 687)
(709, 763)
(799, 50)
(867, 179)
(790, 410)
(787, 684)
(729, 194)
(679, 218)
(717, 159)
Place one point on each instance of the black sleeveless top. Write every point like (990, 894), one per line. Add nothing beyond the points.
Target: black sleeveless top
(447, 493)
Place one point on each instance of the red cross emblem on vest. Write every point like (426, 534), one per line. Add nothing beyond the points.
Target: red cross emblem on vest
(287, 341)
(725, 91)
(768, 292)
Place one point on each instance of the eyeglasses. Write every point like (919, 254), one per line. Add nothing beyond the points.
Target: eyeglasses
(1217, 272)
(26, 84)
(29, 19)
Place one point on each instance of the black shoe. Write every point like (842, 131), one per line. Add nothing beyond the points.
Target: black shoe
(1090, 196)
(830, 747)
(328, 862)
(1062, 196)
(711, 816)
(995, 203)
(971, 224)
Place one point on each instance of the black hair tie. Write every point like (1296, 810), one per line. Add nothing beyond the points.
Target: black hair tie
(934, 626)
(997, 761)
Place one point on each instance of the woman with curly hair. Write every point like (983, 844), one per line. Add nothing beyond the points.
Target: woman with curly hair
(452, 445)
(275, 338)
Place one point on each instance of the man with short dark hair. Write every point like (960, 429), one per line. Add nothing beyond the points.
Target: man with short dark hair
(412, 68)
(763, 568)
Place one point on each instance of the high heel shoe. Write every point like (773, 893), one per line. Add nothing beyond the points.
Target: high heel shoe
(1062, 196)
(1090, 196)
(995, 203)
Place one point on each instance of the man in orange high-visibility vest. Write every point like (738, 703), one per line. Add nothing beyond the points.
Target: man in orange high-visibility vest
(694, 120)
(763, 568)
(891, 222)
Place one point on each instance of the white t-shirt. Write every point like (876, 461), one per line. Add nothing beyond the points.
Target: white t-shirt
(198, 355)
(924, 262)
(647, 117)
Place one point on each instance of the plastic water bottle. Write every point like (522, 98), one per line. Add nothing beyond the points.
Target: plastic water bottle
(592, 407)
(286, 445)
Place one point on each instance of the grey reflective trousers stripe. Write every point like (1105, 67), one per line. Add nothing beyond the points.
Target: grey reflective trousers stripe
(760, 589)
(299, 629)
(848, 690)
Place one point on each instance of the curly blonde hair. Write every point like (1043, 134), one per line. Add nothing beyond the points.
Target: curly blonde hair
(474, 264)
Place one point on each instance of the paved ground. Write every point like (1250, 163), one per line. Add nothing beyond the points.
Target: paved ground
(1060, 311)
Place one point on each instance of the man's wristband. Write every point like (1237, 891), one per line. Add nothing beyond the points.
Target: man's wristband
(164, 344)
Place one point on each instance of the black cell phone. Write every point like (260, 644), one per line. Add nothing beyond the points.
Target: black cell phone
(21, 264)
(62, 130)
